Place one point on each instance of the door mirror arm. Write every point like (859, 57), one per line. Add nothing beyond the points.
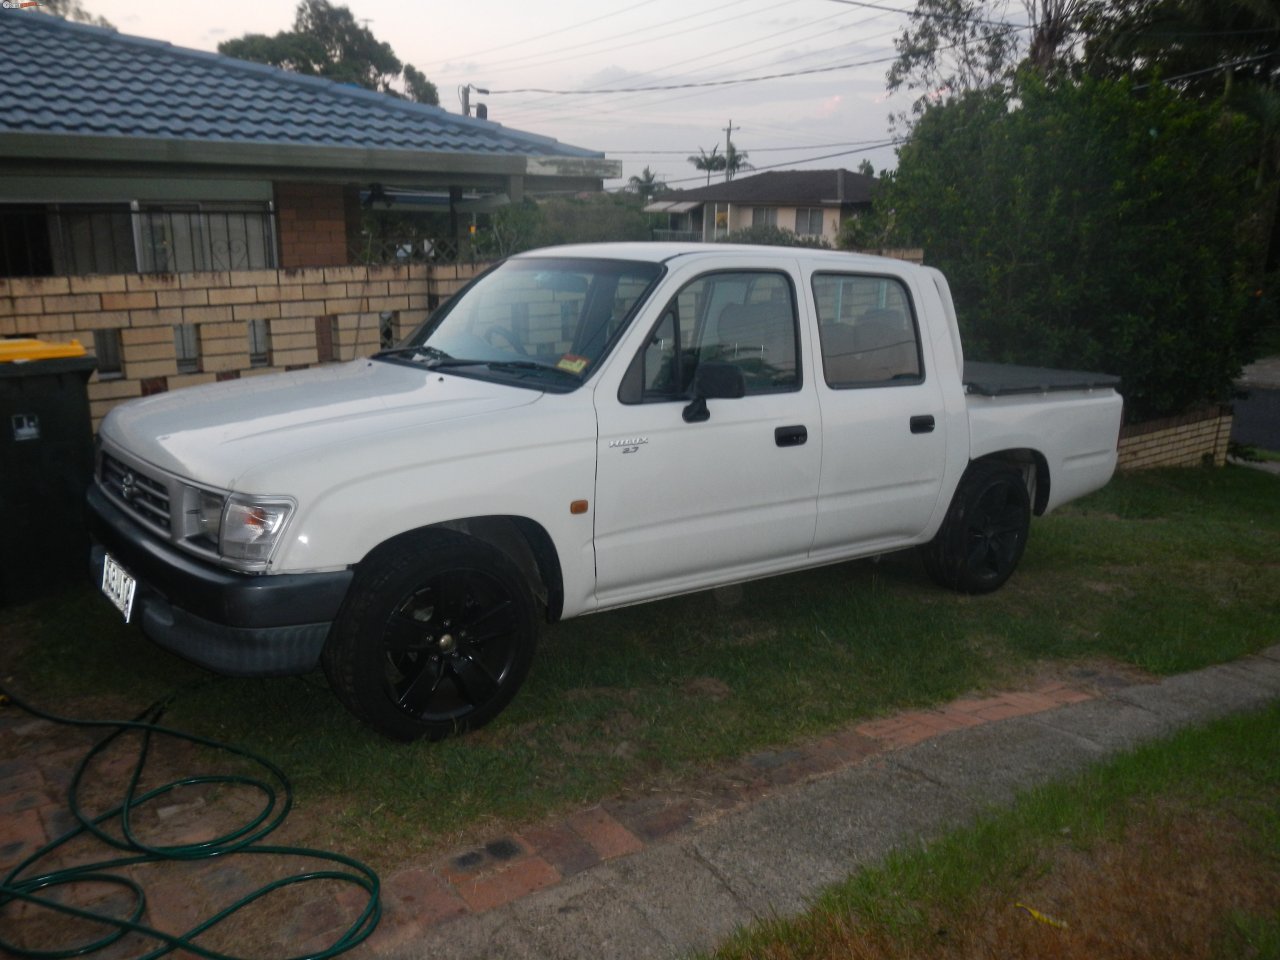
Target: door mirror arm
(715, 380)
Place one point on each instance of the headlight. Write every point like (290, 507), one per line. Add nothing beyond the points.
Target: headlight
(251, 527)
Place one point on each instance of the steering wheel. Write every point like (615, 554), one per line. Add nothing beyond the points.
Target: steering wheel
(509, 336)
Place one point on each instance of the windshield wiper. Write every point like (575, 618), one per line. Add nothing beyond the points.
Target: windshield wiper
(523, 365)
(437, 359)
(430, 352)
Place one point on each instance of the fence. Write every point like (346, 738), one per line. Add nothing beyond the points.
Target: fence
(152, 333)
(1198, 437)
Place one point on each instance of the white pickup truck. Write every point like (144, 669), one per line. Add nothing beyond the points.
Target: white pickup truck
(581, 428)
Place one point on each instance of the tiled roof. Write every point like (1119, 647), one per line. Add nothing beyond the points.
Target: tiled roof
(804, 188)
(69, 78)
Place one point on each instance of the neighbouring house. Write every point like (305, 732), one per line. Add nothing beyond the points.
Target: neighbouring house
(810, 203)
(189, 216)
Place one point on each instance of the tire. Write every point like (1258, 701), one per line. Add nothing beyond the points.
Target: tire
(435, 638)
(985, 531)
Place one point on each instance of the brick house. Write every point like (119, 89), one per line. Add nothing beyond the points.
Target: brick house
(190, 217)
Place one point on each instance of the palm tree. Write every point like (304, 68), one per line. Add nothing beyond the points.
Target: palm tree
(709, 162)
(646, 184)
(734, 161)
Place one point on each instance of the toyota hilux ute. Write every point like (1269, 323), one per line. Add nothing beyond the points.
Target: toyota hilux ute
(581, 428)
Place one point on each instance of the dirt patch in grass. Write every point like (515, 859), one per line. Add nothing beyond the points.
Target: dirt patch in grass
(1168, 888)
(1178, 883)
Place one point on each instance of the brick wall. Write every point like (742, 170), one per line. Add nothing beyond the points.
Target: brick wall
(313, 220)
(1187, 441)
(313, 315)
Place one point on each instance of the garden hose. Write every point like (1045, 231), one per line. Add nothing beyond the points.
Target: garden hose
(26, 883)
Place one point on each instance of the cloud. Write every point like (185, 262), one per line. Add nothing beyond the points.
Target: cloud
(829, 107)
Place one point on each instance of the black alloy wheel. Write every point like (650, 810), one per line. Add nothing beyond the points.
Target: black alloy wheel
(982, 538)
(435, 638)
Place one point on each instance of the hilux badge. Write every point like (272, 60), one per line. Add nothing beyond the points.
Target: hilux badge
(630, 444)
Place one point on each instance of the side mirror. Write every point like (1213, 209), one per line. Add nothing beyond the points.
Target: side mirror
(714, 380)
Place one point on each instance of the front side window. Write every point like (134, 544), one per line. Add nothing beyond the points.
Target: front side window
(809, 221)
(764, 216)
(542, 322)
(867, 331)
(181, 238)
(745, 318)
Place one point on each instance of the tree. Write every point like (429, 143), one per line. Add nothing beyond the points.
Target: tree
(734, 161)
(953, 47)
(73, 10)
(418, 88)
(712, 162)
(596, 218)
(1223, 52)
(865, 168)
(646, 184)
(326, 41)
(1084, 225)
(511, 229)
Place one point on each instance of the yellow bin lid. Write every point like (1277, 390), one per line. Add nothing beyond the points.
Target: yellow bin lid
(21, 350)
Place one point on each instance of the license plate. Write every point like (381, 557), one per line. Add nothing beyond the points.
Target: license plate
(119, 586)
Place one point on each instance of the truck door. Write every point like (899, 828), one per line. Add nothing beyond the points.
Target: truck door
(884, 429)
(690, 494)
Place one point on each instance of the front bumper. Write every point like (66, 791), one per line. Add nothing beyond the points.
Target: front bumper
(268, 625)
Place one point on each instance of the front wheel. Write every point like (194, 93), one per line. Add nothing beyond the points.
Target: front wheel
(985, 530)
(435, 638)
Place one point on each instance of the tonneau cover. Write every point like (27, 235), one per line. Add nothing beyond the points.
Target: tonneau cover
(1003, 379)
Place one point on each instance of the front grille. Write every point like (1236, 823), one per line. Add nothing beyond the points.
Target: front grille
(144, 497)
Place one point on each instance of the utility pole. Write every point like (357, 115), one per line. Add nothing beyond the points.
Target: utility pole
(728, 150)
(464, 95)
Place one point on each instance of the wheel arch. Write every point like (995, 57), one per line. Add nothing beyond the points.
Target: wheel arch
(1035, 472)
(525, 542)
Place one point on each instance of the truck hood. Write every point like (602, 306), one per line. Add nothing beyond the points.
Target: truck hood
(218, 433)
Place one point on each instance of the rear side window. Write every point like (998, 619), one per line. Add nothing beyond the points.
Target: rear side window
(746, 318)
(867, 330)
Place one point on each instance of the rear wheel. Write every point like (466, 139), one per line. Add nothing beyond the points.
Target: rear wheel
(985, 531)
(435, 639)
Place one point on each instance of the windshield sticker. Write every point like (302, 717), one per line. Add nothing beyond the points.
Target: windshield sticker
(572, 363)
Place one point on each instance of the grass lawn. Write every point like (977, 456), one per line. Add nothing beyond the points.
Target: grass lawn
(1164, 570)
(1171, 851)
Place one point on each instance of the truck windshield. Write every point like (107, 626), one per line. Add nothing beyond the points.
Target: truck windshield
(544, 322)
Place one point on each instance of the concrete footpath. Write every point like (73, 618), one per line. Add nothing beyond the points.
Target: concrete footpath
(851, 799)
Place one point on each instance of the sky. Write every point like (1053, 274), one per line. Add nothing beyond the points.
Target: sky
(833, 116)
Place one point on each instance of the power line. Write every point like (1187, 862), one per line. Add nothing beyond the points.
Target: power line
(552, 33)
(930, 16)
(774, 166)
(554, 56)
(704, 83)
(812, 146)
(1214, 69)
(687, 74)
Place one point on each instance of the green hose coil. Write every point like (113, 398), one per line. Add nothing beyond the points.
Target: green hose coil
(27, 883)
